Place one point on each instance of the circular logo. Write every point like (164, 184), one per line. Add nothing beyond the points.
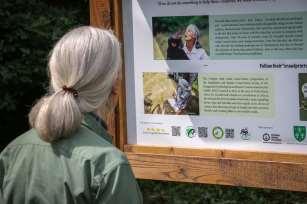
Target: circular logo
(266, 137)
(217, 132)
(190, 132)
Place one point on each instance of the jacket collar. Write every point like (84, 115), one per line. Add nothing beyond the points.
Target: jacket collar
(97, 125)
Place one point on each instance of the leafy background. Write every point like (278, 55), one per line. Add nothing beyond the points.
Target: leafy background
(28, 30)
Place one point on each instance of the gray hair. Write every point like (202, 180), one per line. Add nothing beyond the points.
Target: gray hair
(86, 60)
(194, 29)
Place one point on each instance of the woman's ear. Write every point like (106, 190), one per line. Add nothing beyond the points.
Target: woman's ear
(114, 90)
(106, 109)
(116, 86)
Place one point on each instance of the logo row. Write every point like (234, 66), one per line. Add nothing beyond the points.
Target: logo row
(217, 132)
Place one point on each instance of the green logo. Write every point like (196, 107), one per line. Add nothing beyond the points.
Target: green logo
(218, 132)
(299, 133)
(190, 132)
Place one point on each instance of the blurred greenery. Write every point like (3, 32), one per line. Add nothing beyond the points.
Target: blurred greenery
(28, 30)
(173, 24)
(163, 192)
(164, 27)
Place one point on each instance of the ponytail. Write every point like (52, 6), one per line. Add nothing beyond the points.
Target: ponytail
(56, 116)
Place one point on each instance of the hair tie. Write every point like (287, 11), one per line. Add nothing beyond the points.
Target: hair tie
(71, 90)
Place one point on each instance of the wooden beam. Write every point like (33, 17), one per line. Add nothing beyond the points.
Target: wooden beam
(219, 153)
(235, 172)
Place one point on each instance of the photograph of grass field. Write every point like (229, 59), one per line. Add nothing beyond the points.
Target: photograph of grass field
(173, 29)
(171, 93)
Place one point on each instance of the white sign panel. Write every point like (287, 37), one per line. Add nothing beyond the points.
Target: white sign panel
(226, 74)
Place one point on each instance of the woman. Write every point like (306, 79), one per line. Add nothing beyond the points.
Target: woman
(67, 156)
(192, 47)
(183, 93)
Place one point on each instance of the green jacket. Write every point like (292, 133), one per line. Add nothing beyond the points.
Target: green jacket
(84, 168)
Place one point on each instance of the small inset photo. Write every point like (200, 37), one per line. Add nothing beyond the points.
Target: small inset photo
(181, 37)
(302, 81)
(173, 93)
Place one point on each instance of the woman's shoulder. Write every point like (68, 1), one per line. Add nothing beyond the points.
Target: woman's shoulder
(29, 138)
(84, 145)
(91, 146)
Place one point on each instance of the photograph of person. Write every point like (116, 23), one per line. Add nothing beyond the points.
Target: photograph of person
(171, 93)
(302, 80)
(181, 37)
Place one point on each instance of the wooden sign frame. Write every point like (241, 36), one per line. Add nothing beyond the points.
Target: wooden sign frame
(226, 167)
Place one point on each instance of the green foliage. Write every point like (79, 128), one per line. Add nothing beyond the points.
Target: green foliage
(172, 24)
(188, 193)
(28, 30)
